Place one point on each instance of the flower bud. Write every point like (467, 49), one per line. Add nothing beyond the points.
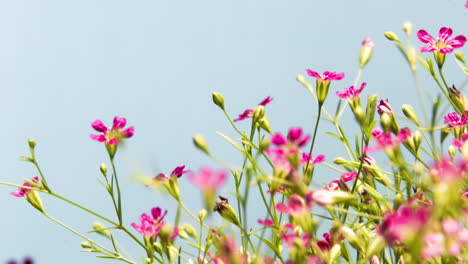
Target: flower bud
(452, 150)
(103, 169)
(218, 99)
(226, 211)
(459, 56)
(416, 138)
(200, 143)
(86, 244)
(391, 36)
(35, 200)
(300, 78)
(190, 230)
(335, 252)
(340, 161)
(202, 215)
(408, 28)
(409, 113)
(31, 143)
(100, 229)
(265, 124)
(258, 113)
(411, 55)
(366, 52)
(386, 121)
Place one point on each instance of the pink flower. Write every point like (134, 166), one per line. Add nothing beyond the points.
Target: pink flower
(403, 224)
(21, 192)
(348, 176)
(266, 222)
(249, 112)
(351, 93)
(151, 225)
(112, 136)
(296, 205)
(385, 141)
(292, 142)
(208, 179)
(384, 107)
(326, 76)
(306, 158)
(455, 120)
(433, 246)
(326, 243)
(368, 42)
(448, 170)
(458, 143)
(443, 44)
(466, 4)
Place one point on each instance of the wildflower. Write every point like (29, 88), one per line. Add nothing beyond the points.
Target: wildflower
(455, 120)
(30, 194)
(326, 243)
(170, 183)
(296, 206)
(226, 211)
(322, 83)
(385, 140)
(151, 225)
(208, 180)
(312, 161)
(448, 170)
(443, 44)
(112, 136)
(289, 145)
(351, 93)
(21, 192)
(249, 112)
(176, 173)
(458, 143)
(266, 222)
(384, 107)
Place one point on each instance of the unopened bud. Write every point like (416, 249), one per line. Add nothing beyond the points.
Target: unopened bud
(335, 252)
(265, 124)
(300, 78)
(218, 99)
(391, 36)
(100, 229)
(340, 161)
(31, 143)
(190, 230)
(226, 211)
(459, 56)
(412, 57)
(366, 52)
(258, 113)
(103, 169)
(386, 121)
(452, 150)
(417, 138)
(200, 143)
(408, 28)
(264, 144)
(202, 215)
(410, 113)
(86, 244)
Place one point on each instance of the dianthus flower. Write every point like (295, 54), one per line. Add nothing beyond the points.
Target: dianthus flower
(289, 145)
(448, 170)
(21, 192)
(151, 225)
(208, 179)
(296, 205)
(384, 107)
(350, 93)
(385, 140)
(443, 44)
(249, 112)
(322, 83)
(176, 173)
(112, 136)
(455, 120)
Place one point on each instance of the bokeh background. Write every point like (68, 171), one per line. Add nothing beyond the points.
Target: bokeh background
(64, 64)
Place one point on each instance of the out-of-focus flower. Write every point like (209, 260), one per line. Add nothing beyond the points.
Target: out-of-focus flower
(290, 145)
(433, 246)
(208, 178)
(176, 173)
(326, 243)
(266, 222)
(21, 192)
(296, 206)
(249, 112)
(455, 120)
(458, 143)
(466, 4)
(443, 44)
(351, 93)
(367, 47)
(403, 225)
(386, 141)
(151, 225)
(312, 161)
(114, 135)
(448, 170)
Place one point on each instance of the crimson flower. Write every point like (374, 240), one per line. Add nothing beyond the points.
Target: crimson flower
(444, 44)
(114, 135)
(151, 225)
(455, 120)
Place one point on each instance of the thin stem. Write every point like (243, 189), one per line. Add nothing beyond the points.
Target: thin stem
(314, 136)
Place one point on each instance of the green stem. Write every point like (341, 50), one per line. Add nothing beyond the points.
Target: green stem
(313, 137)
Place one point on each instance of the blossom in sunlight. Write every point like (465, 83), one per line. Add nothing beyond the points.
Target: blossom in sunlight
(249, 112)
(21, 192)
(351, 93)
(385, 140)
(455, 120)
(290, 145)
(443, 44)
(114, 135)
(208, 178)
(327, 76)
(151, 225)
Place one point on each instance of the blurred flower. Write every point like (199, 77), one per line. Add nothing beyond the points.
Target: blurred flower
(443, 44)
(351, 93)
(433, 246)
(455, 120)
(176, 173)
(208, 179)
(448, 170)
(312, 161)
(458, 143)
(266, 222)
(249, 112)
(112, 136)
(296, 205)
(326, 243)
(151, 225)
(289, 145)
(21, 192)
(385, 140)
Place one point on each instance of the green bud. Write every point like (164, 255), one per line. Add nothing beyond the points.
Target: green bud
(417, 138)
(226, 211)
(408, 28)
(370, 108)
(201, 143)
(86, 244)
(440, 59)
(391, 36)
(100, 229)
(103, 169)
(340, 161)
(202, 215)
(410, 113)
(218, 99)
(459, 56)
(366, 52)
(264, 144)
(258, 113)
(412, 57)
(386, 121)
(35, 200)
(335, 252)
(190, 230)
(265, 124)
(31, 143)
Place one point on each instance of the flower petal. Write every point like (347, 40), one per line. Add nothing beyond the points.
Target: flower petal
(424, 37)
(99, 126)
(100, 137)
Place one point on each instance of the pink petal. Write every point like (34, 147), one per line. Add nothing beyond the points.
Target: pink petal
(457, 42)
(113, 141)
(294, 133)
(129, 132)
(424, 37)
(246, 114)
(445, 33)
(313, 74)
(119, 122)
(100, 137)
(278, 139)
(99, 126)
(427, 49)
(446, 50)
(266, 101)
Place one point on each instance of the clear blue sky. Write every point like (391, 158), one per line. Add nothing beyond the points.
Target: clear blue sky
(64, 64)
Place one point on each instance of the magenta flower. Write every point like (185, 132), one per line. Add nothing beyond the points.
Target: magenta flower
(21, 192)
(455, 120)
(208, 179)
(326, 243)
(296, 205)
(151, 225)
(351, 93)
(176, 173)
(249, 112)
(112, 136)
(312, 161)
(458, 143)
(326, 76)
(443, 44)
(266, 222)
(448, 170)
(384, 107)
(466, 4)
(403, 225)
(291, 143)
(348, 176)
(385, 141)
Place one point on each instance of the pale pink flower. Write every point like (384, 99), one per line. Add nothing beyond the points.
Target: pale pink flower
(351, 93)
(455, 120)
(433, 246)
(368, 42)
(296, 206)
(21, 192)
(333, 186)
(249, 112)
(326, 76)
(450, 226)
(458, 143)
(385, 141)
(151, 225)
(348, 176)
(466, 4)
(291, 238)
(312, 161)
(114, 135)
(448, 170)
(208, 179)
(266, 222)
(384, 107)
(443, 44)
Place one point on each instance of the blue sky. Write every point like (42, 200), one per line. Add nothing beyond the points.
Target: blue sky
(64, 64)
